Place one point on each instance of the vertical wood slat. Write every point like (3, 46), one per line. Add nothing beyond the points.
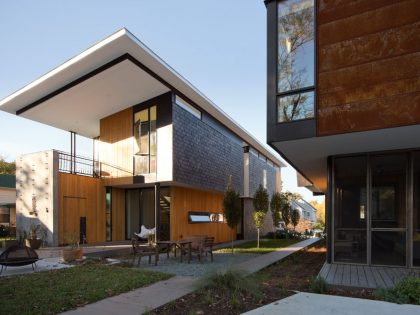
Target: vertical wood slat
(339, 274)
(369, 277)
(331, 274)
(346, 275)
(354, 280)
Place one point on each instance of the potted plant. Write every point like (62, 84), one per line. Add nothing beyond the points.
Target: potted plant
(33, 241)
(74, 251)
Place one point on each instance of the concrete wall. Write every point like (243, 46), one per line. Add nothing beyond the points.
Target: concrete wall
(36, 189)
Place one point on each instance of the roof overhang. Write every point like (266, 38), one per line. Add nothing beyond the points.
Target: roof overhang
(116, 73)
(309, 156)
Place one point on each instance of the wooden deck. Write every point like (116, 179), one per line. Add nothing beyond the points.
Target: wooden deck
(358, 276)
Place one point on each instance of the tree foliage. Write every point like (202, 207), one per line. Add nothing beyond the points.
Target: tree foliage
(260, 203)
(232, 209)
(275, 206)
(294, 218)
(8, 168)
(320, 213)
(286, 208)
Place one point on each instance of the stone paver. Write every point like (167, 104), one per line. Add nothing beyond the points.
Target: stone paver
(144, 299)
(319, 304)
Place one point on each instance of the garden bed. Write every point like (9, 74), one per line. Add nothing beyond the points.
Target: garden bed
(295, 273)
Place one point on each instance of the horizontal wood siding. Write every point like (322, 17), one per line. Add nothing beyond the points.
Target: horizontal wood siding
(116, 147)
(368, 61)
(184, 200)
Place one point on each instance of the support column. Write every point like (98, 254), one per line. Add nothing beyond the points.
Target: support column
(72, 152)
(157, 211)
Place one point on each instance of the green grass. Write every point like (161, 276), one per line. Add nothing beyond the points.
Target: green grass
(266, 246)
(52, 292)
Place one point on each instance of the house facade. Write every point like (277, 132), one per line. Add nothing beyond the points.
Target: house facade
(163, 153)
(344, 109)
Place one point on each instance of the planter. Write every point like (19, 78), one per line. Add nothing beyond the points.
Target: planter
(70, 254)
(33, 243)
(7, 243)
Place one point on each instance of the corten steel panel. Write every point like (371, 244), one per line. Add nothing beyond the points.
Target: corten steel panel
(368, 65)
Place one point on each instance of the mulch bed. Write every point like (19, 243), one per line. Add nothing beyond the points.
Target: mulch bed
(275, 282)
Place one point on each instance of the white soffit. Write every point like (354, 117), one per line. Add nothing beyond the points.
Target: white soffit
(107, 50)
(310, 155)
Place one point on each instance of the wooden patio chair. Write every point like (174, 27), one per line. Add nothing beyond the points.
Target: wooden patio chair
(141, 250)
(208, 246)
(196, 245)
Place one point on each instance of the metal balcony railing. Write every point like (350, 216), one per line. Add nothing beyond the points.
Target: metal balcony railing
(88, 167)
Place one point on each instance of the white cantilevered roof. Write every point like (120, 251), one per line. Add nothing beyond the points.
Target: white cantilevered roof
(116, 73)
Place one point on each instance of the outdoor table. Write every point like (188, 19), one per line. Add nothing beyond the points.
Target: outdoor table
(182, 245)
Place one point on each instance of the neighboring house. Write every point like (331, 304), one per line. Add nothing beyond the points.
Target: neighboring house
(344, 109)
(163, 152)
(8, 203)
(306, 211)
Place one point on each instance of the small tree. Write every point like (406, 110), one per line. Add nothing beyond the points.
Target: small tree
(260, 203)
(285, 208)
(275, 206)
(232, 209)
(295, 217)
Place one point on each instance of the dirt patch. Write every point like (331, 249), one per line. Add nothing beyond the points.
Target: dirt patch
(275, 282)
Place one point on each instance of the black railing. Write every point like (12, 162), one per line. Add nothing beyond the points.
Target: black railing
(88, 167)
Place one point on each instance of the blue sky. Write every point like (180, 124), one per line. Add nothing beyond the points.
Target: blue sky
(218, 45)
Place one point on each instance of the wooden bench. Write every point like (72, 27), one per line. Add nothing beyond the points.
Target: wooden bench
(144, 250)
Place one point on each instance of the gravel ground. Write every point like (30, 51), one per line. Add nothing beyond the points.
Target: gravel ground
(195, 268)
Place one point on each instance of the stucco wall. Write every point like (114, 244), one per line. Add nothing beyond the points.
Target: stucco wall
(36, 189)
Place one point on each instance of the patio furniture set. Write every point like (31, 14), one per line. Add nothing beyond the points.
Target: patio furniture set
(200, 245)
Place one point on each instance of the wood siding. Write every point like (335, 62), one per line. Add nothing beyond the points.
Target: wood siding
(368, 65)
(118, 214)
(116, 147)
(184, 200)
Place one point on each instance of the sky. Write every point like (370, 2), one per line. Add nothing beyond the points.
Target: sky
(217, 45)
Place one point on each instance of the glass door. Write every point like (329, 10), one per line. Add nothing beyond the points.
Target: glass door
(388, 208)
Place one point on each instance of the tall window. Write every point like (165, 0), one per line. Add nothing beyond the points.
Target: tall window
(295, 60)
(108, 213)
(145, 144)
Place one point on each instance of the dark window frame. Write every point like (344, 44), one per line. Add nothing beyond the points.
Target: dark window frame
(108, 211)
(311, 88)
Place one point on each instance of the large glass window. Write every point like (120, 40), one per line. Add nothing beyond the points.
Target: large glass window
(295, 60)
(108, 213)
(350, 219)
(416, 209)
(145, 147)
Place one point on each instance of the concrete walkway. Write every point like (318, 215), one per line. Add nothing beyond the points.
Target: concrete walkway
(316, 304)
(160, 293)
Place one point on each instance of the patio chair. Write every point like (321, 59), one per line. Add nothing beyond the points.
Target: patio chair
(141, 250)
(208, 246)
(196, 245)
(16, 256)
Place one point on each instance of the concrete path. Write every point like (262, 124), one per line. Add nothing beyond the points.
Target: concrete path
(148, 298)
(262, 261)
(320, 304)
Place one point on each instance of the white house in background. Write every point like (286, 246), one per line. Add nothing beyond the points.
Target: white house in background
(306, 210)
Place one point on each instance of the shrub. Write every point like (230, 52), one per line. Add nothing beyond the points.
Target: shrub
(318, 285)
(4, 231)
(232, 283)
(406, 291)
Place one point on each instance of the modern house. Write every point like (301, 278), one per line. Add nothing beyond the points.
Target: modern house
(163, 152)
(306, 210)
(344, 109)
(8, 203)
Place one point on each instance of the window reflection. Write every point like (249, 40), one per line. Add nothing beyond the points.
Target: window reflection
(295, 60)
(145, 144)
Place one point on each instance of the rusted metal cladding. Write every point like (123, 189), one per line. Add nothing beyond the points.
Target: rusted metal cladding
(368, 62)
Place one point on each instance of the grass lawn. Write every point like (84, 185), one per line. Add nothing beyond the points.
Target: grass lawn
(266, 246)
(52, 292)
